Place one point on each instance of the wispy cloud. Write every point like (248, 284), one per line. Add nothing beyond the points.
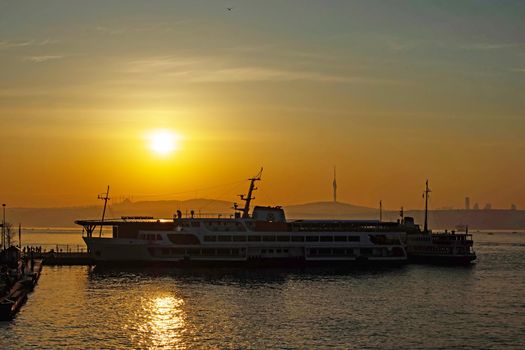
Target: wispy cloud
(6, 44)
(396, 44)
(43, 58)
(146, 26)
(111, 30)
(253, 74)
(491, 46)
(199, 70)
(160, 64)
(405, 44)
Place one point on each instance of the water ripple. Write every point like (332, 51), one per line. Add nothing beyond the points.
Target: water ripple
(416, 307)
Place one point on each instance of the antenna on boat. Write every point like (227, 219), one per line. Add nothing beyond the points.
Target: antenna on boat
(425, 194)
(246, 210)
(105, 198)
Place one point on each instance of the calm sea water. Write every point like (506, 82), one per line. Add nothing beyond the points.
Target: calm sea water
(415, 307)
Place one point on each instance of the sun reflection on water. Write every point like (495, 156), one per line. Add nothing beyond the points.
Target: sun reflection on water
(162, 324)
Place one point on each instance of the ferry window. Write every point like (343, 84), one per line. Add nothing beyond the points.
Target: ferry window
(254, 238)
(283, 238)
(159, 237)
(223, 252)
(208, 251)
(268, 238)
(263, 251)
(325, 251)
(278, 251)
(339, 251)
(285, 250)
(327, 238)
(177, 251)
(378, 239)
(297, 238)
(312, 238)
(239, 238)
(194, 252)
(270, 250)
(366, 251)
(183, 238)
(224, 238)
(377, 252)
(354, 238)
(165, 251)
(235, 251)
(340, 238)
(209, 238)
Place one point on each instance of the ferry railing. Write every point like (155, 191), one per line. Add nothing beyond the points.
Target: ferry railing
(199, 215)
(54, 248)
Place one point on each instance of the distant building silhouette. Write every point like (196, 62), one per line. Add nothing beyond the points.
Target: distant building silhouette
(513, 207)
(334, 185)
(476, 206)
(488, 206)
(467, 203)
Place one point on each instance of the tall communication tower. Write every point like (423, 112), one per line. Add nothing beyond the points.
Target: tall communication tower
(334, 185)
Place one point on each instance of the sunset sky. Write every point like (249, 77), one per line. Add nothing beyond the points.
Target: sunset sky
(390, 92)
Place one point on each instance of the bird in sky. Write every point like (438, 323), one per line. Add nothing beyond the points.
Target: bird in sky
(229, 8)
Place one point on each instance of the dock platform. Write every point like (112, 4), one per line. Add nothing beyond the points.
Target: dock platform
(64, 258)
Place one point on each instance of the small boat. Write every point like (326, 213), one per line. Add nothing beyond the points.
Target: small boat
(448, 247)
(13, 301)
(19, 279)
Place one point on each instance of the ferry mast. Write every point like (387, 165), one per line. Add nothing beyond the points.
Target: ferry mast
(105, 198)
(246, 210)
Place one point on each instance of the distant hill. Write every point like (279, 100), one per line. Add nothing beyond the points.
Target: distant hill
(65, 217)
(167, 208)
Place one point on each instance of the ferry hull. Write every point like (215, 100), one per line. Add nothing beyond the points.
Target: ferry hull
(252, 263)
(115, 252)
(442, 260)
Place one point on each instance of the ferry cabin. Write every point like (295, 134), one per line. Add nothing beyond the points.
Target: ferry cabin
(264, 237)
(441, 247)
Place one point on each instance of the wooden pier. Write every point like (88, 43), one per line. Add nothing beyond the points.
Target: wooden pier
(16, 294)
(64, 258)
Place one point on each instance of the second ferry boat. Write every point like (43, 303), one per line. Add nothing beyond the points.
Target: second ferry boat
(261, 238)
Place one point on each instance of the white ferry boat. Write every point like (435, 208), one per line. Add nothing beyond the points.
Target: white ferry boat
(263, 237)
(448, 247)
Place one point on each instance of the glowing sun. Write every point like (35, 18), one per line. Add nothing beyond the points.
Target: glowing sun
(163, 142)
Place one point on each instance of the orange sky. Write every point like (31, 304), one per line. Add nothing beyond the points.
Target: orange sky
(390, 93)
